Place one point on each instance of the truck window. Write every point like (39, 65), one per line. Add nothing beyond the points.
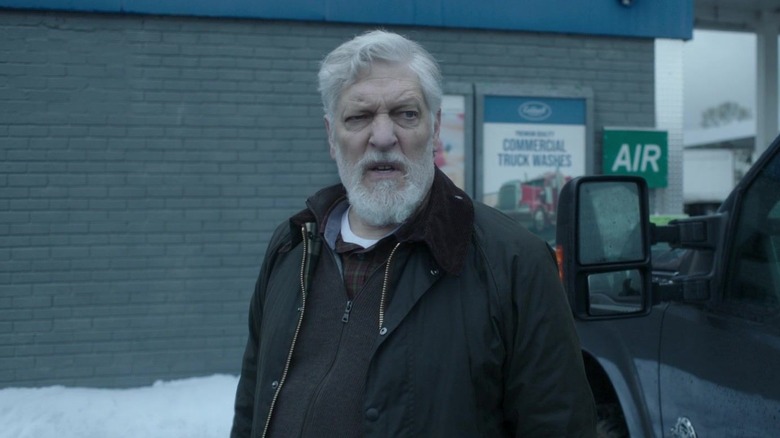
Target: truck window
(755, 264)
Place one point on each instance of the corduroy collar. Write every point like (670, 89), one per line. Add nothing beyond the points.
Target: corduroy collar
(444, 223)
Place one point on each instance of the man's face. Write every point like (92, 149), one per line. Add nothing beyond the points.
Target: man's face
(382, 136)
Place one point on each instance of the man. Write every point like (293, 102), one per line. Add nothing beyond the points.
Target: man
(393, 305)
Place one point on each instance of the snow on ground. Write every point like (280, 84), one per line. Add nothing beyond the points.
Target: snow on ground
(190, 408)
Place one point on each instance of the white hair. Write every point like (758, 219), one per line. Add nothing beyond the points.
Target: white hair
(344, 65)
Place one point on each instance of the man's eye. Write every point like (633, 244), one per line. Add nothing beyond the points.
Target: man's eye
(357, 121)
(355, 118)
(410, 115)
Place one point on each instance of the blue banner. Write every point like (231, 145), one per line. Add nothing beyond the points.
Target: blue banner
(535, 110)
(646, 19)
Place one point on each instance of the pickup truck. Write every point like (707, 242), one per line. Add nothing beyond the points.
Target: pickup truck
(683, 342)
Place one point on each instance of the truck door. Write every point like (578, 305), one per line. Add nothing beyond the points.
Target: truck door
(720, 361)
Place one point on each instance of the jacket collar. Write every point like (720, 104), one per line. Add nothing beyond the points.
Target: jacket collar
(444, 223)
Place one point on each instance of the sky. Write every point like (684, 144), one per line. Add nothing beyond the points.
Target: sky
(718, 67)
(189, 408)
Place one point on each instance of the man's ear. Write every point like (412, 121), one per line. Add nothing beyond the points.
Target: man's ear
(330, 137)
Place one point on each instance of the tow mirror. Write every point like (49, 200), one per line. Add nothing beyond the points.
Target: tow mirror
(603, 246)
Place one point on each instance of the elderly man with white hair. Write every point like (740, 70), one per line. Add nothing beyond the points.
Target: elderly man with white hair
(395, 306)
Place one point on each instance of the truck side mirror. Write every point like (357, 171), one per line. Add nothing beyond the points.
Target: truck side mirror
(603, 246)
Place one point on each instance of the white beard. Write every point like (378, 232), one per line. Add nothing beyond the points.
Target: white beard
(387, 202)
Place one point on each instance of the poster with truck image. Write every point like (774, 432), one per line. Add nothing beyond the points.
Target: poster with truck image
(531, 147)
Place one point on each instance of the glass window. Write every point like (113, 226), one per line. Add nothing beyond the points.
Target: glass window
(755, 264)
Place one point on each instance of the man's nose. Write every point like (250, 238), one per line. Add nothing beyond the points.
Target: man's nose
(383, 132)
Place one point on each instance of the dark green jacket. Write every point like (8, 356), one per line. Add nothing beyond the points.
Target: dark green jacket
(478, 340)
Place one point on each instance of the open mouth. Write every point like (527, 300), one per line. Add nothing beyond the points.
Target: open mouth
(384, 167)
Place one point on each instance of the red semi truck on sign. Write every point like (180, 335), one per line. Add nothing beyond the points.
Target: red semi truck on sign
(533, 202)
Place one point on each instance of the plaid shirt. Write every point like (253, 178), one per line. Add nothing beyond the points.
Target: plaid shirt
(359, 263)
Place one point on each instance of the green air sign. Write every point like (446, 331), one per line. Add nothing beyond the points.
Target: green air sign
(637, 152)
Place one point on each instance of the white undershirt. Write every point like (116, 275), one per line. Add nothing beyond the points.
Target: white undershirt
(349, 237)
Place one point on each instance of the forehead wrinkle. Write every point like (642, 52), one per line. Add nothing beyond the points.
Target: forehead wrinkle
(386, 84)
(364, 99)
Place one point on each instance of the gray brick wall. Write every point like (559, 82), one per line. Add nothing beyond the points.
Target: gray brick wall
(144, 162)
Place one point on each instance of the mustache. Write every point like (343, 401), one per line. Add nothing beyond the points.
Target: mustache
(376, 159)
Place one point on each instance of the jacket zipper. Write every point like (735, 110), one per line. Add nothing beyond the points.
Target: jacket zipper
(385, 281)
(306, 262)
(347, 309)
(305, 277)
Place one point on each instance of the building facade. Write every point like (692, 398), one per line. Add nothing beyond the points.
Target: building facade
(145, 160)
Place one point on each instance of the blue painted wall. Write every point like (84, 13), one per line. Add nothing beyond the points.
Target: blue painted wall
(643, 18)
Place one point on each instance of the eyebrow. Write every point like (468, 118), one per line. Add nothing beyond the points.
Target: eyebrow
(362, 104)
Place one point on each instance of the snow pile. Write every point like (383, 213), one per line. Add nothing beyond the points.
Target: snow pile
(189, 408)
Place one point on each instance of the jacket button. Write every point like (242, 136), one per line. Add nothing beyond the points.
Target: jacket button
(434, 272)
(383, 331)
(372, 414)
(275, 384)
